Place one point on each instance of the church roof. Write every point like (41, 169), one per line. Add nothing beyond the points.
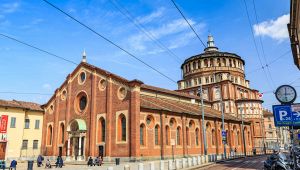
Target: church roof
(169, 105)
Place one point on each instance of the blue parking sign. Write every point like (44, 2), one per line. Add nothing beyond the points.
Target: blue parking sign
(283, 115)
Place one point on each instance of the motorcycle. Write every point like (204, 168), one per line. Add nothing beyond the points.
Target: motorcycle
(278, 161)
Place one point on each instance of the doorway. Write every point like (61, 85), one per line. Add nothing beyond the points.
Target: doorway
(101, 151)
(60, 151)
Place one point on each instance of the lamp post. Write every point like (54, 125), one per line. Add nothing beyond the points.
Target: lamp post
(203, 121)
(243, 134)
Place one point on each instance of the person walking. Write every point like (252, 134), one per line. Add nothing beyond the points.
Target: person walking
(90, 161)
(13, 165)
(39, 161)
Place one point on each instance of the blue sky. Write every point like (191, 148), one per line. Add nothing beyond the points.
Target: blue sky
(24, 69)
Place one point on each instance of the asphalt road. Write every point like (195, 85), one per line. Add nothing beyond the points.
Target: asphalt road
(238, 164)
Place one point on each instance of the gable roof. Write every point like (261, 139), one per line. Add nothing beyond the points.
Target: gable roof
(21, 104)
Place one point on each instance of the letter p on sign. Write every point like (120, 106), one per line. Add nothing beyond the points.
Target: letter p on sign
(282, 114)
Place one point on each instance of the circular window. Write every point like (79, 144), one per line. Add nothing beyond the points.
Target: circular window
(64, 95)
(150, 121)
(81, 102)
(82, 77)
(172, 122)
(122, 93)
(102, 84)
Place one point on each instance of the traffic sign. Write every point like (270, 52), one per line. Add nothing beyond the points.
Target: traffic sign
(287, 115)
(282, 115)
(224, 136)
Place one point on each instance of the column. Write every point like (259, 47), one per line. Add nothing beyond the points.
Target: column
(68, 149)
(79, 149)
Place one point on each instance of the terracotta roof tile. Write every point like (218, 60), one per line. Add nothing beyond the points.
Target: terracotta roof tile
(21, 104)
(155, 103)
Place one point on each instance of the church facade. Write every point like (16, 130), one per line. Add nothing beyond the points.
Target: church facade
(97, 113)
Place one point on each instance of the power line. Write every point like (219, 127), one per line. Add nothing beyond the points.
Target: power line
(110, 41)
(25, 93)
(255, 45)
(188, 23)
(37, 48)
(260, 40)
(138, 25)
(270, 63)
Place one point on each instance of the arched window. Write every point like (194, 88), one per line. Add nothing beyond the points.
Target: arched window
(205, 63)
(122, 127)
(211, 62)
(208, 134)
(187, 136)
(101, 130)
(142, 134)
(49, 135)
(197, 136)
(157, 135)
(219, 62)
(239, 139)
(230, 63)
(178, 136)
(199, 64)
(213, 137)
(194, 66)
(224, 62)
(249, 138)
(62, 132)
(167, 135)
(220, 137)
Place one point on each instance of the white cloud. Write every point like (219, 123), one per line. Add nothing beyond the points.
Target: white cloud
(276, 29)
(151, 17)
(176, 31)
(9, 7)
(46, 86)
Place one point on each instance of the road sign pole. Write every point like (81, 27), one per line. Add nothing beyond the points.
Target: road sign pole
(203, 121)
(223, 123)
(243, 134)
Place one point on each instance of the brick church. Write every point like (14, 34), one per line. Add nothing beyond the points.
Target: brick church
(97, 113)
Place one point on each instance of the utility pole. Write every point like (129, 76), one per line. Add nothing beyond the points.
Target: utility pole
(203, 121)
(263, 134)
(223, 124)
(243, 132)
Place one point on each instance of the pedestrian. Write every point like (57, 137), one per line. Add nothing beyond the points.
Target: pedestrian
(39, 161)
(59, 162)
(90, 161)
(235, 151)
(97, 161)
(48, 164)
(13, 165)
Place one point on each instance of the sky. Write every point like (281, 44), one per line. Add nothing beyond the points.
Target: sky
(27, 70)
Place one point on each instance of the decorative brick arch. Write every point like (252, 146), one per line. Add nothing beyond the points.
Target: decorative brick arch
(61, 138)
(101, 126)
(157, 135)
(122, 128)
(143, 135)
(49, 134)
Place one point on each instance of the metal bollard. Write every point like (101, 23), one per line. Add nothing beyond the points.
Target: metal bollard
(162, 165)
(141, 166)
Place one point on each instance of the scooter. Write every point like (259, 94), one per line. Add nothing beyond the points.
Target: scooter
(277, 161)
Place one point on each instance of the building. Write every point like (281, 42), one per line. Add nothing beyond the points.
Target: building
(275, 136)
(271, 132)
(97, 113)
(222, 77)
(21, 129)
(294, 30)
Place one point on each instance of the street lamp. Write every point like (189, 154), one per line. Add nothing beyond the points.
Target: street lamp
(243, 133)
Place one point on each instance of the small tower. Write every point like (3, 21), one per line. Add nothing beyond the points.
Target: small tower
(210, 44)
(83, 57)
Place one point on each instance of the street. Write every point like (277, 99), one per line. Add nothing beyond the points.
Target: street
(238, 164)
